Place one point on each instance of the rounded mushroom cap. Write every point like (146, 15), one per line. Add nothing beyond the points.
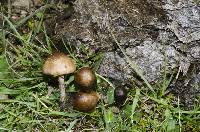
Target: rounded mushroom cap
(120, 95)
(85, 79)
(58, 64)
(85, 101)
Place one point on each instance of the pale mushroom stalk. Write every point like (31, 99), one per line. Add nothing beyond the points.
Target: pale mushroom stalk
(61, 81)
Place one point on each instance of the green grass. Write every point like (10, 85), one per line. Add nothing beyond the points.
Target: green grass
(28, 107)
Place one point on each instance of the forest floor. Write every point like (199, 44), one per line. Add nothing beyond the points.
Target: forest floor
(26, 106)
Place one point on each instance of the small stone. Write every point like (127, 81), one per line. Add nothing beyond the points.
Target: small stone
(37, 2)
(22, 4)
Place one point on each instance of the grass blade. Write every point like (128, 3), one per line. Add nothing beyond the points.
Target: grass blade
(135, 101)
(69, 129)
(4, 90)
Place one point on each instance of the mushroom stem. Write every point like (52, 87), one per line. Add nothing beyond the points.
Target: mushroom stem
(62, 91)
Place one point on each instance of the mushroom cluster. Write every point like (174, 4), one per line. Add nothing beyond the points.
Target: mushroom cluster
(59, 64)
(86, 99)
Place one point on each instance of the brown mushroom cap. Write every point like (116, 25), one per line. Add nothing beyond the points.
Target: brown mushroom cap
(58, 64)
(85, 79)
(85, 101)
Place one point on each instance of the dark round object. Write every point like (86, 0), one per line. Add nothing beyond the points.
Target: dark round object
(85, 79)
(85, 102)
(120, 95)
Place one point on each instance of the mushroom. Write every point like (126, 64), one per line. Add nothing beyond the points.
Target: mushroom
(120, 95)
(85, 79)
(58, 64)
(85, 102)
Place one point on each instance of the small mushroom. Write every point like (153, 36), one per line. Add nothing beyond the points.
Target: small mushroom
(58, 64)
(85, 102)
(85, 79)
(120, 95)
